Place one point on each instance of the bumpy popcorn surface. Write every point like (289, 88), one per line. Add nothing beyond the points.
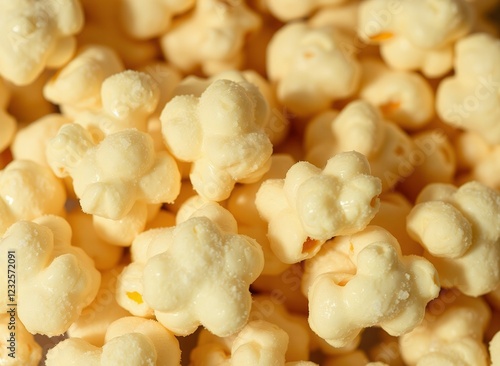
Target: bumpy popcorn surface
(27, 191)
(415, 34)
(222, 133)
(55, 280)
(361, 280)
(113, 175)
(311, 205)
(458, 227)
(470, 98)
(35, 35)
(129, 341)
(310, 68)
(211, 37)
(451, 334)
(360, 127)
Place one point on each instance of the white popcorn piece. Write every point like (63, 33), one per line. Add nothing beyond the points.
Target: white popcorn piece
(286, 10)
(222, 134)
(361, 127)
(129, 341)
(311, 206)
(415, 34)
(470, 98)
(211, 37)
(366, 268)
(115, 174)
(18, 346)
(27, 191)
(451, 335)
(35, 35)
(404, 97)
(77, 86)
(458, 228)
(494, 347)
(310, 67)
(8, 124)
(145, 20)
(55, 280)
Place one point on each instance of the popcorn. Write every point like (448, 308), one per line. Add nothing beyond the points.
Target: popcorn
(55, 280)
(8, 124)
(495, 350)
(458, 227)
(129, 341)
(222, 133)
(27, 351)
(469, 99)
(144, 20)
(112, 176)
(286, 10)
(366, 268)
(415, 34)
(451, 337)
(77, 86)
(35, 35)
(211, 37)
(360, 127)
(310, 67)
(27, 191)
(402, 96)
(310, 206)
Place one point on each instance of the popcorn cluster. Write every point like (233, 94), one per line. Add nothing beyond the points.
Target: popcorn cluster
(249, 182)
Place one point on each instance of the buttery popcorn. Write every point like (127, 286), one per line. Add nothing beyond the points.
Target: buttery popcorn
(27, 351)
(222, 134)
(352, 271)
(8, 124)
(310, 206)
(458, 228)
(55, 279)
(287, 10)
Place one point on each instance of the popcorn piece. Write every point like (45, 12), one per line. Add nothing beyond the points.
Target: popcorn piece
(145, 20)
(18, 346)
(495, 350)
(30, 142)
(129, 341)
(77, 86)
(470, 98)
(451, 337)
(35, 35)
(416, 34)
(112, 176)
(310, 205)
(360, 127)
(458, 227)
(366, 268)
(96, 318)
(402, 96)
(27, 191)
(310, 68)
(211, 37)
(222, 133)
(55, 280)
(286, 10)
(8, 124)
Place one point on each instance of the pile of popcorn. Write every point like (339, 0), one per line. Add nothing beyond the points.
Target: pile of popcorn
(249, 182)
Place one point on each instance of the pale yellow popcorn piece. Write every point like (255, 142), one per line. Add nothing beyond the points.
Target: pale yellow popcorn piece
(77, 86)
(360, 127)
(211, 37)
(222, 134)
(8, 124)
(129, 341)
(458, 227)
(404, 97)
(27, 191)
(470, 98)
(451, 335)
(366, 268)
(145, 20)
(35, 35)
(494, 347)
(18, 346)
(311, 206)
(55, 280)
(286, 10)
(416, 34)
(310, 68)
